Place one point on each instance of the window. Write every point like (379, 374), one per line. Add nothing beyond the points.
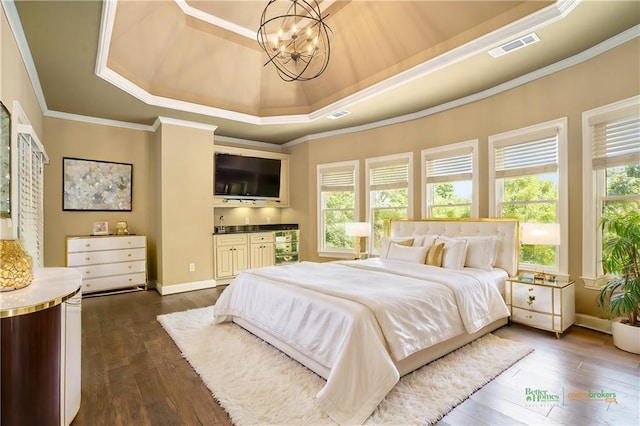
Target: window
(528, 181)
(337, 204)
(389, 196)
(448, 182)
(28, 204)
(611, 175)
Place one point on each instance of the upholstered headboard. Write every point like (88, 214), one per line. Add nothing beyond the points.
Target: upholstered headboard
(507, 231)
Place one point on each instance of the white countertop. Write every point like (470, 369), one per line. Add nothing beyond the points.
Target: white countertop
(50, 287)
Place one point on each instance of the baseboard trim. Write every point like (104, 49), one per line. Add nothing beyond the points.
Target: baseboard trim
(594, 323)
(184, 287)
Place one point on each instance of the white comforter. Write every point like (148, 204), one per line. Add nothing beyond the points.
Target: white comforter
(387, 310)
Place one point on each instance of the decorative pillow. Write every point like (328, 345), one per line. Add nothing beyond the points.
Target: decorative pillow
(407, 254)
(434, 255)
(481, 251)
(455, 252)
(386, 242)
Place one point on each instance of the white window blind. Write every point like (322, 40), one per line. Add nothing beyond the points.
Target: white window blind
(389, 175)
(30, 194)
(537, 156)
(338, 179)
(616, 142)
(452, 166)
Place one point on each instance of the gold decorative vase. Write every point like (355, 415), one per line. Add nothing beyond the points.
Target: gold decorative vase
(16, 266)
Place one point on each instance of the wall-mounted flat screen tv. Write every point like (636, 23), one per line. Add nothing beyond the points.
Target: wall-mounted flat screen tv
(243, 177)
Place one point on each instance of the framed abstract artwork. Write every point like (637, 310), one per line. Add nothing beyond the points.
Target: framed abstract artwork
(91, 185)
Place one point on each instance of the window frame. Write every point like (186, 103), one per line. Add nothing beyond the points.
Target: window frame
(387, 160)
(448, 151)
(594, 190)
(496, 194)
(322, 250)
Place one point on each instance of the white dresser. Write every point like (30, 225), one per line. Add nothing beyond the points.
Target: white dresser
(109, 262)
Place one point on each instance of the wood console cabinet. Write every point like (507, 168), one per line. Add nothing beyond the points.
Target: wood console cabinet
(231, 255)
(109, 262)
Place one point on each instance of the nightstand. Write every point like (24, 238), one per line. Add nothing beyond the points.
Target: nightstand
(548, 305)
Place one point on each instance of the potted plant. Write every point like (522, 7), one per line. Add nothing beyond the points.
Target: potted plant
(620, 297)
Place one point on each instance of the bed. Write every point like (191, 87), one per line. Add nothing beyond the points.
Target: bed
(361, 325)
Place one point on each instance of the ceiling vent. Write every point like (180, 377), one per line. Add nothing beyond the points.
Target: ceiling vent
(338, 114)
(514, 45)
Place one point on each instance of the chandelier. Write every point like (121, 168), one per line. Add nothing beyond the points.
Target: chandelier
(296, 38)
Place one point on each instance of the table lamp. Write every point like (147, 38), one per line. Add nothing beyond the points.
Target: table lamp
(358, 230)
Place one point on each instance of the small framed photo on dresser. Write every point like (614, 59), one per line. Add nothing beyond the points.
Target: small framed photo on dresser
(100, 228)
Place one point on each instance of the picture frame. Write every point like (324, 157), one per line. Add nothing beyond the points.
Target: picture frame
(100, 228)
(122, 228)
(94, 185)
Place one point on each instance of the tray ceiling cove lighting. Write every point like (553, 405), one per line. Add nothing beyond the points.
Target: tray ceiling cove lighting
(296, 38)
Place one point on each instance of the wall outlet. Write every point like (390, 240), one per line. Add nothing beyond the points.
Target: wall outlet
(192, 267)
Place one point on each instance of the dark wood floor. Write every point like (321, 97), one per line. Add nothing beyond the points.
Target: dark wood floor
(133, 374)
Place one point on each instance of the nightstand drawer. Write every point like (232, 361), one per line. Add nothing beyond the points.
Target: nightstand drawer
(532, 297)
(535, 319)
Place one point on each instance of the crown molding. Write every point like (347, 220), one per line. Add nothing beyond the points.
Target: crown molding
(183, 123)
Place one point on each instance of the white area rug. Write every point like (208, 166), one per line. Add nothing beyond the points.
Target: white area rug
(258, 384)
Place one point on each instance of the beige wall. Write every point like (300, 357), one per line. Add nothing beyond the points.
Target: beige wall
(15, 85)
(65, 138)
(609, 77)
(185, 170)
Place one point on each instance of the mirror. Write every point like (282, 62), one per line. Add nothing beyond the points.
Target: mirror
(5, 162)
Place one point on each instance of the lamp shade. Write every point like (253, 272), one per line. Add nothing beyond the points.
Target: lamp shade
(357, 229)
(540, 234)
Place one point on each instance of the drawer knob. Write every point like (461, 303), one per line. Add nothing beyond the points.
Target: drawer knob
(88, 285)
(130, 266)
(531, 299)
(128, 242)
(531, 288)
(129, 255)
(87, 272)
(130, 279)
(87, 258)
(87, 245)
(530, 316)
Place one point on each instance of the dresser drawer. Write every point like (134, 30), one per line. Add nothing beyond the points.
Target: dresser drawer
(109, 283)
(261, 237)
(532, 297)
(104, 243)
(105, 270)
(108, 256)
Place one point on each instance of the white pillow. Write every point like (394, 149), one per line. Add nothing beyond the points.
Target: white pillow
(481, 251)
(429, 240)
(418, 240)
(386, 242)
(455, 252)
(407, 254)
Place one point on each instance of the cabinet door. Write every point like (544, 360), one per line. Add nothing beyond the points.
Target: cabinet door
(240, 259)
(262, 255)
(224, 261)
